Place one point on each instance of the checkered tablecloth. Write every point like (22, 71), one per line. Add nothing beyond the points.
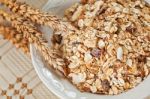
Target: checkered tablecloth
(18, 79)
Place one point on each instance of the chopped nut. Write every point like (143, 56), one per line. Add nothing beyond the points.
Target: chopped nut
(78, 78)
(101, 44)
(120, 53)
(87, 57)
(98, 84)
(121, 82)
(90, 81)
(93, 89)
(115, 90)
(113, 29)
(81, 23)
(88, 22)
(108, 26)
(75, 62)
(129, 62)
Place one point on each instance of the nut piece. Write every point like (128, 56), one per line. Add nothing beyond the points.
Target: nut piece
(101, 44)
(81, 23)
(120, 53)
(87, 57)
(108, 26)
(93, 89)
(74, 62)
(115, 90)
(129, 62)
(78, 78)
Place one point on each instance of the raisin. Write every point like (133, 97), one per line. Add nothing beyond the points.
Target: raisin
(96, 53)
(131, 29)
(57, 38)
(106, 85)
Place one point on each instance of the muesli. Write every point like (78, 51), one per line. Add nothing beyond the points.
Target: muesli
(111, 51)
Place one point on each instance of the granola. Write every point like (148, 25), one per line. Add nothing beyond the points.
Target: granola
(110, 53)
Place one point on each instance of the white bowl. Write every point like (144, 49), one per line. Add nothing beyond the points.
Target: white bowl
(63, 88)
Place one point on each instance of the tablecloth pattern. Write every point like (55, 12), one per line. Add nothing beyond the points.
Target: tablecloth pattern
(18, 79)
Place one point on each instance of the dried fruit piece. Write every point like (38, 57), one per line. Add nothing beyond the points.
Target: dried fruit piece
(57, 38)
(96, 53)
(131, 29)
(105, 85)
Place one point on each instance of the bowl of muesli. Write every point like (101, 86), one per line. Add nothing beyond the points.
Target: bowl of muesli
(107, 56)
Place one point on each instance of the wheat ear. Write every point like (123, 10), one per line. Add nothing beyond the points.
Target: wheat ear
(14, 37)
(29, 32)
(36, 16)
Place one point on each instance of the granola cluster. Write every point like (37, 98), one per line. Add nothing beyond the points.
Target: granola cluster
(111, 51)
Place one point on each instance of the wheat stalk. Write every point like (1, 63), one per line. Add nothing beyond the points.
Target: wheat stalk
(36, 16)
(14, 37)
(30, 32)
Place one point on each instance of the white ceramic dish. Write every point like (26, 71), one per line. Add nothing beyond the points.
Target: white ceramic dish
(63, 88)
